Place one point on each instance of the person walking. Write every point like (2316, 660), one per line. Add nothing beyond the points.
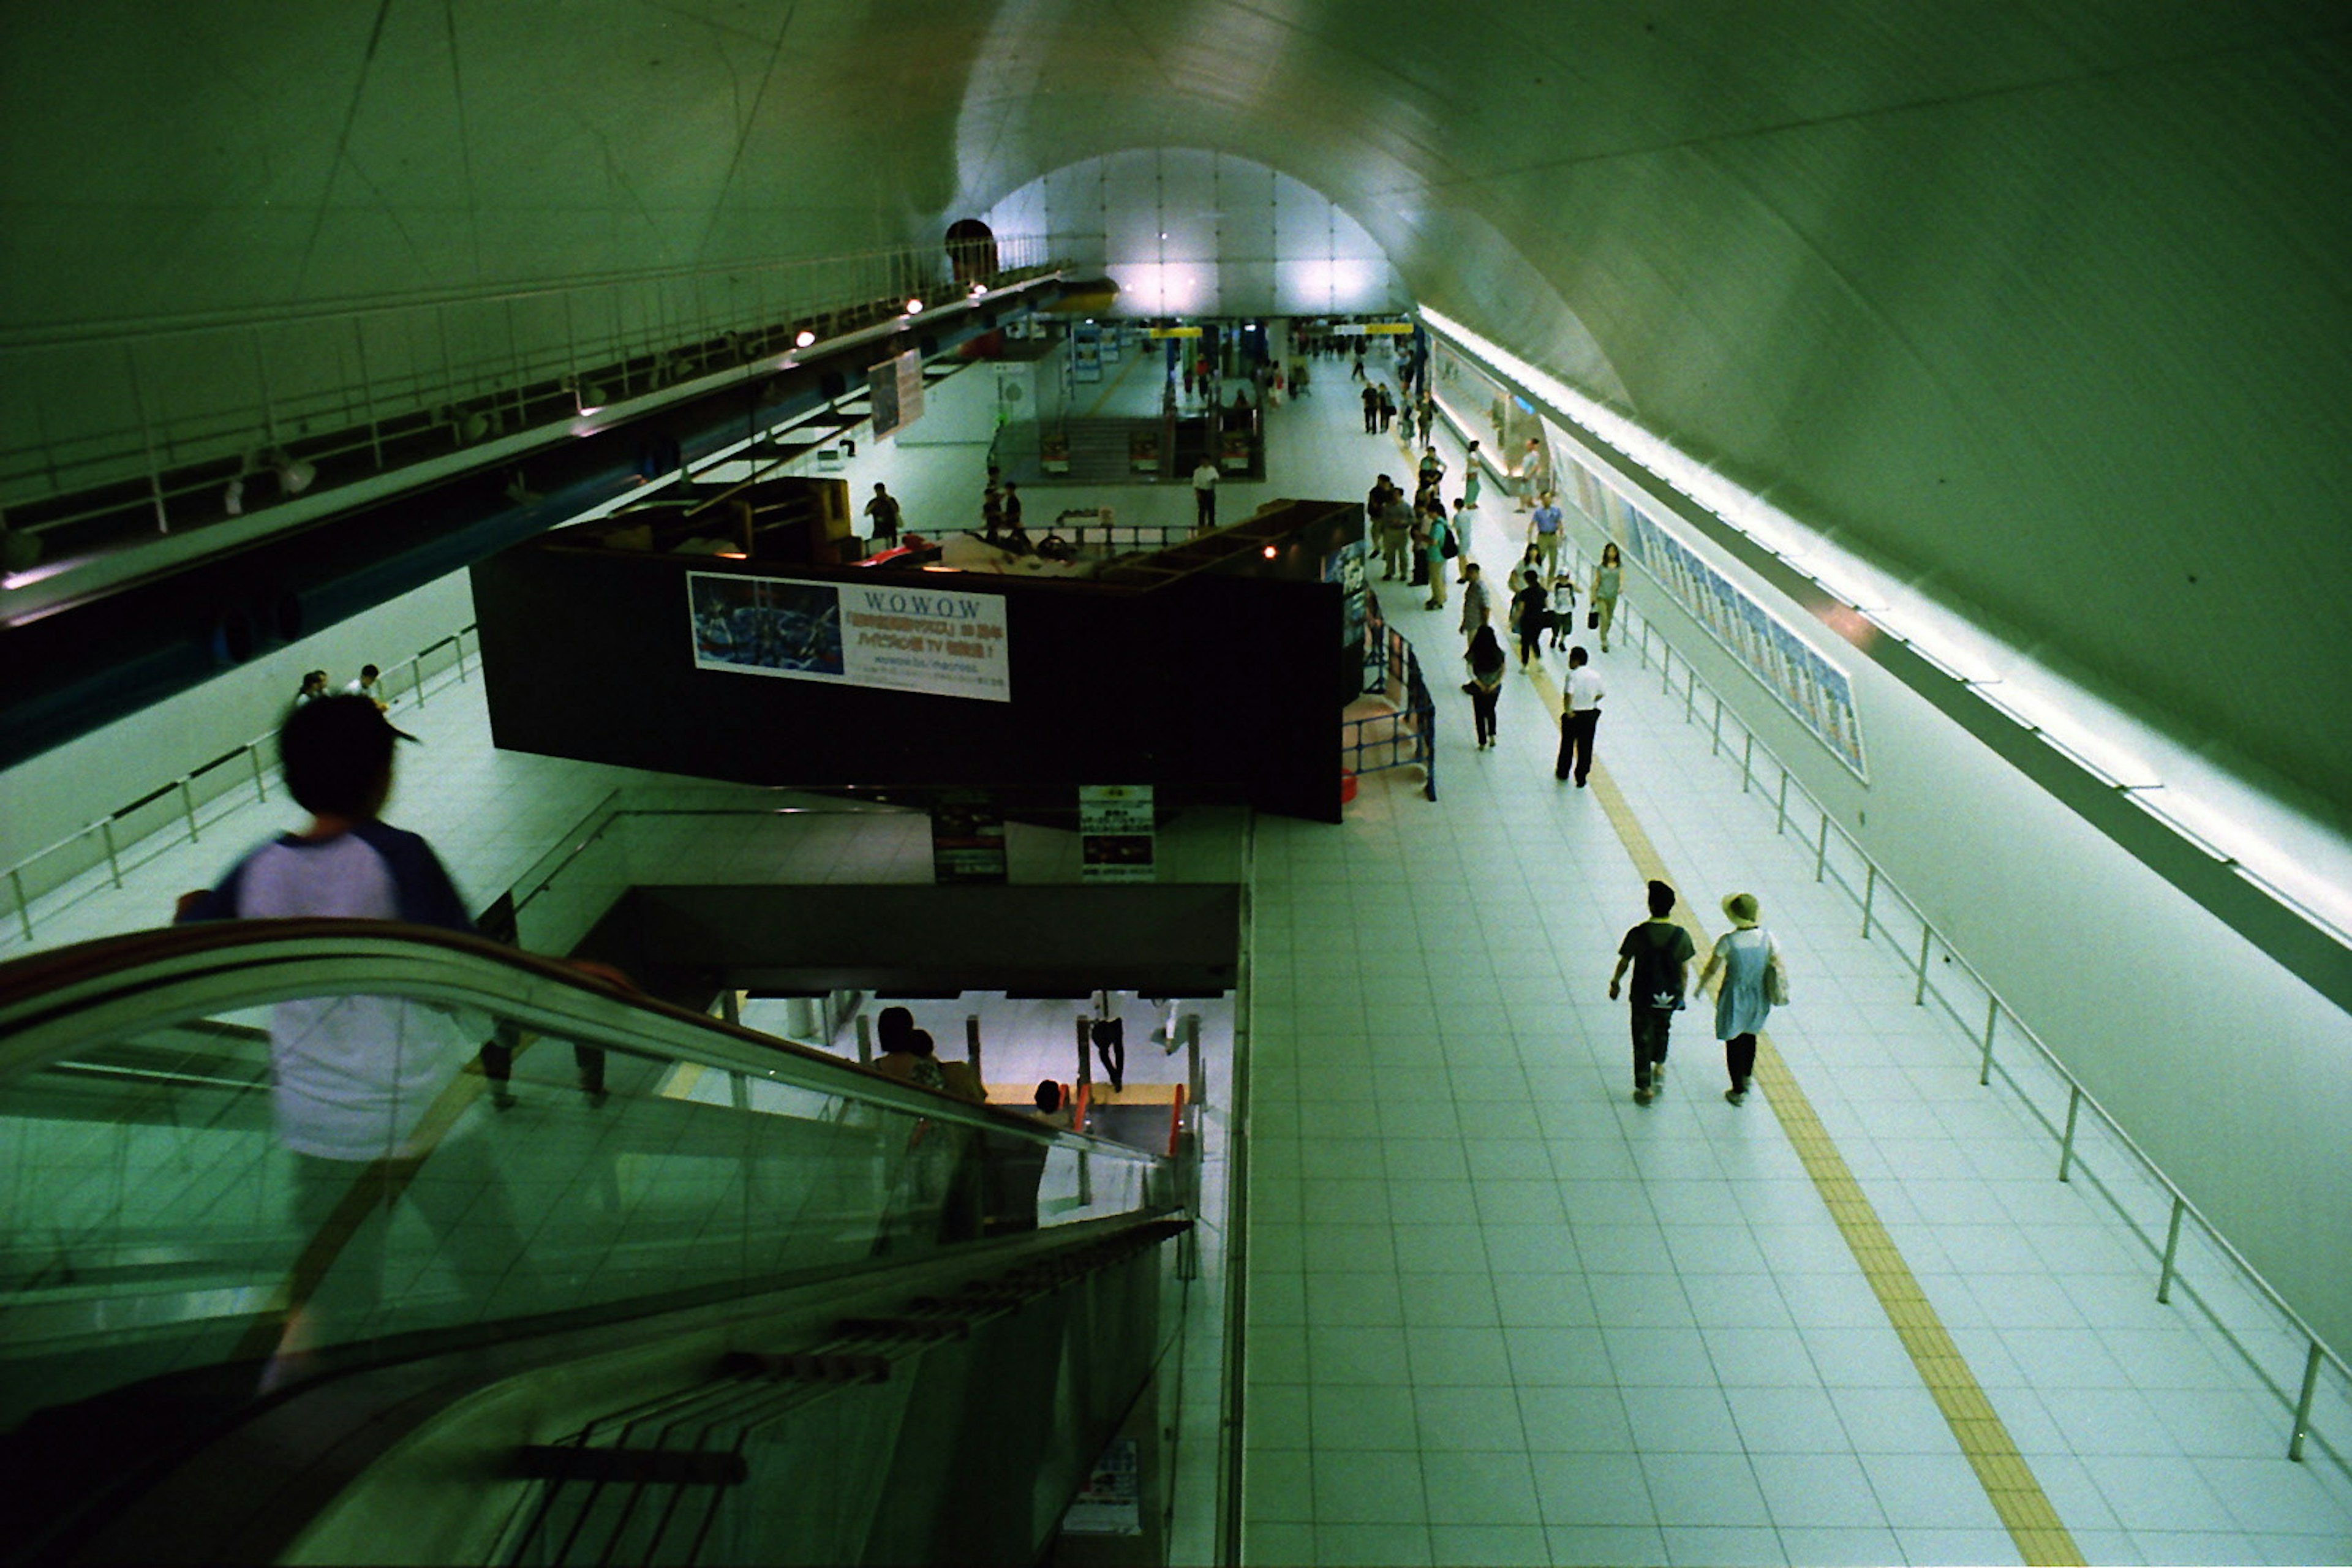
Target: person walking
(1533, 481)
(1543, 532)
(1579, 716)
(1475, 609)
(1388, 408)
(1753, 979)
(1530, 612)
(1485, 683)
(884, 510)
(1460, 523)
(1563, 609)
(1659, 952)
(1371, 409)
(1607, 578)
(1474, 476)
(1204, 494)
(1441, 545)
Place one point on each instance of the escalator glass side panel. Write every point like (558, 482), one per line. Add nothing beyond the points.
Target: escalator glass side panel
(405, 1138)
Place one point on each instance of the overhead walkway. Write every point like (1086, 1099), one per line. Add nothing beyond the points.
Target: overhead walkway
(602, 1322)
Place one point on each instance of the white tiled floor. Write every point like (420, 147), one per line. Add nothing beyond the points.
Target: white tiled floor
(1499, 1313)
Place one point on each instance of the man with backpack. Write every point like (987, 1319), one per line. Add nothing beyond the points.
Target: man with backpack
(1659, 952)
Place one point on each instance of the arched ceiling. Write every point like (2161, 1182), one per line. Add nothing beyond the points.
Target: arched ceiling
(2042, 303)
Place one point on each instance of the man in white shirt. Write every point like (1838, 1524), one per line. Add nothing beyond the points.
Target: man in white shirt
(1205, 493)
(1580, 714)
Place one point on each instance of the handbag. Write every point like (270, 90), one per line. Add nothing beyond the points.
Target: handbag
(1776, 978)
(1451, 549)
(1592, 620)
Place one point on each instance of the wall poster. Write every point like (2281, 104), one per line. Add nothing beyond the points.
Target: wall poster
(1118, 834)
(1812, 689)
(967, 836)
(948, 643)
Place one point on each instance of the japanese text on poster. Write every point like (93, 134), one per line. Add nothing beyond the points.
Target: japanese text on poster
(949, 642)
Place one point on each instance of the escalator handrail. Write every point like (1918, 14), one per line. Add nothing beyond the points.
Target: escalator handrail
(62, 1000)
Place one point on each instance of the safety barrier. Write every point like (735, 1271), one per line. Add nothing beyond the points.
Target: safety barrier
(1406, 738)
(174, 812)
(1983, 1016)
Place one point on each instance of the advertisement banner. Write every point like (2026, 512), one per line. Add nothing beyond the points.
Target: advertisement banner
(948, 643)
(1116, 834)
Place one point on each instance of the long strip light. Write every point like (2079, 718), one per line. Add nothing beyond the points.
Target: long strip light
(2108, 744)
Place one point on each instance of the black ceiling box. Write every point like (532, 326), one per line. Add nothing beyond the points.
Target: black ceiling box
(1216, 671)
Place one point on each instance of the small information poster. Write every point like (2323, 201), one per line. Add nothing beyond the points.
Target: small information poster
(1117, 836)
(967, 837)
(1111, 1502)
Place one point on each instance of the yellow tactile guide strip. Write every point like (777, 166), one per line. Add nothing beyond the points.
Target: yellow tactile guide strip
(2009, 1482)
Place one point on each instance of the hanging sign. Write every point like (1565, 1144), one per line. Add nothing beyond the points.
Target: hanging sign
(949, 642)
(1174, 332)
(1116, 834)
(897, 385)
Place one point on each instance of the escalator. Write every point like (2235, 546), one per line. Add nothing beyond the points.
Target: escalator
(662, 1289)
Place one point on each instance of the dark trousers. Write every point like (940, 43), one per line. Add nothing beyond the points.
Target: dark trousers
(497, 1063)
(342, 1215)
(1740, 1056)
(1482, 709)
(1650, 1028)
(1205, 505)
(1576, 744)
(1530, 641)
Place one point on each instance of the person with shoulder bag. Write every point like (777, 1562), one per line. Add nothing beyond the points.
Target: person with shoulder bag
(1755, 981)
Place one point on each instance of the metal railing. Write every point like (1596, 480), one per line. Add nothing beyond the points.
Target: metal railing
(1403, 738)
(162, 417)
(176, 811)
(1979, 1012)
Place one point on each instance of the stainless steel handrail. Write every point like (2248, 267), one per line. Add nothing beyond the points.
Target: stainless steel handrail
(414, 668)
(54, 1003)
(1874, 881)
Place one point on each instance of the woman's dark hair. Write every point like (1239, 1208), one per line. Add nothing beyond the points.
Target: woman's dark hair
(337, 754)
(892, 1027)
(1484, 642)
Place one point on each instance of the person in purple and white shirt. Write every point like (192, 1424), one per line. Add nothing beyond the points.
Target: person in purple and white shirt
(365, 1088)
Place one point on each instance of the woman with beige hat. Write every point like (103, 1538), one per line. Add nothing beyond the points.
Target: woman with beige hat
(1753, 980)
